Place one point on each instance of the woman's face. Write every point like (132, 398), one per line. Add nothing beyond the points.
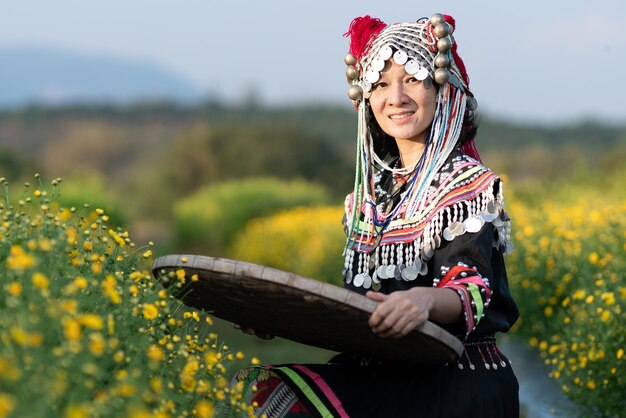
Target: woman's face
(403, 106)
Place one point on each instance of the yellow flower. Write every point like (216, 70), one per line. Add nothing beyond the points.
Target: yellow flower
(18, 259)
(96, 344)
(69, 306)
(150, 311)
(180, 275)
(119, 240)
(41, 281)
(147, 254)
(133, 290)
(135, 275)
(72, 329)
(591, 385)
(579, 294)
(620, 353)
(593, 258)
(255, 361)
(156, 385)
(239, 355)
(548, 311)
(14, 289)
(109, 289)
(91, 321)
(7, 404)
(211, 359)
(193, 315)
(71, 235)
(155, 353)
(606, 315)
(45, 244)
(80, 282)
(608, 298)
(203, 409)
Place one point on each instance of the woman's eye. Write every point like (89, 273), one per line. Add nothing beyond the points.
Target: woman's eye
(379, 85)
(411, 80)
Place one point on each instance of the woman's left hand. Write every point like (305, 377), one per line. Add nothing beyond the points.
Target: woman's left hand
(400, 312)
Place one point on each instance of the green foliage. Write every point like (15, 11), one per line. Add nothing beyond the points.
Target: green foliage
(209, 219)
(306, 241)
(210, 153)
(87, 332)
(90, 190)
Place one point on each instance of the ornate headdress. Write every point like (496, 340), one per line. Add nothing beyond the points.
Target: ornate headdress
(428, 51)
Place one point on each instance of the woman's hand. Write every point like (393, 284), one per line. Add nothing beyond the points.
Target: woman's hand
(400, 312)
(250, 331)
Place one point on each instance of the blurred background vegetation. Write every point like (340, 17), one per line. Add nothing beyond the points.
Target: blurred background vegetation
(157, 164)
(266, 185)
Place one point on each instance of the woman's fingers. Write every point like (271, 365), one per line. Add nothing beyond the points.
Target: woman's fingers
(376, 296)
(397, 314)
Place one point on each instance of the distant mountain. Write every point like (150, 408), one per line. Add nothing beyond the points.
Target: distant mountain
(55, 76)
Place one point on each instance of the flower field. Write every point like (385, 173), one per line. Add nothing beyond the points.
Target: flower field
(86, 331)
(567, 273)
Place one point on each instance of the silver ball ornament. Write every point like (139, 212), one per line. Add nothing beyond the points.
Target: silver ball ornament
(440, 30)
(437, 19)
(442, 75)
(355, 92)
(450, 28)
(442, 61)
(444, 44)
(352, 73)
(349, 59)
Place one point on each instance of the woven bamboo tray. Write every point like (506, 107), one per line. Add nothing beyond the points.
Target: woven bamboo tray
(304, 310)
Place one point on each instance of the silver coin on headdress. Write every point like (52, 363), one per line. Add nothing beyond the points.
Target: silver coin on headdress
(400, 57)
(412, 66)
(372, 76)
(385, 53)
(378, 64)
(422, 74)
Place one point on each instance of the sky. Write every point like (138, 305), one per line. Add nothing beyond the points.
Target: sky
(539, 61)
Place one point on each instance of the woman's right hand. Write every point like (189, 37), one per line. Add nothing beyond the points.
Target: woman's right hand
(250, 331)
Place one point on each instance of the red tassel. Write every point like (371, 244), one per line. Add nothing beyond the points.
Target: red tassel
(459, 62)
(362, 31)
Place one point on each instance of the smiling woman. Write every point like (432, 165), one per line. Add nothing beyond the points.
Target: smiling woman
(404, 108)
(426, 233)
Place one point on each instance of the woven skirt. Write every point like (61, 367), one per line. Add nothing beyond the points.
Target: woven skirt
(480, 384)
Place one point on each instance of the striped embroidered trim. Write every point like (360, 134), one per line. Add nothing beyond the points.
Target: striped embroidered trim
(472, 288)
(319, 395)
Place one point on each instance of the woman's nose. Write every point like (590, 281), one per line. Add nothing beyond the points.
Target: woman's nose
(397, 95)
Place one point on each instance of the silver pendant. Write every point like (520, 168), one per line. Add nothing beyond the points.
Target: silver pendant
(409, 273)
(358, 280)
(367, 281)
(473, 224)
(382, 272)
(390, 271)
